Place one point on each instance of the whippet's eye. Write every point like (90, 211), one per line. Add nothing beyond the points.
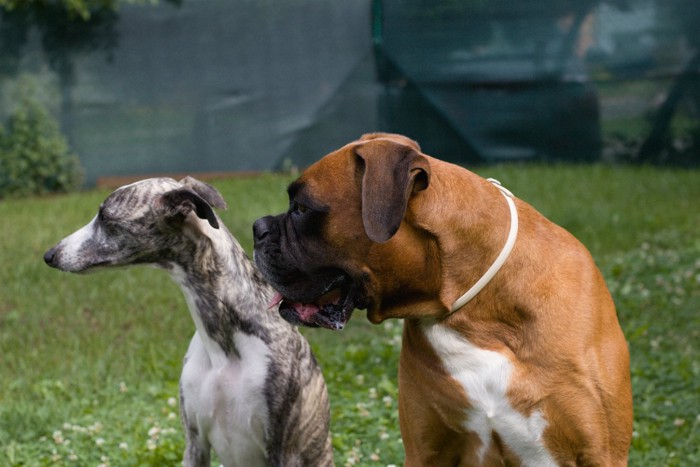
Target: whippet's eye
(101, 216)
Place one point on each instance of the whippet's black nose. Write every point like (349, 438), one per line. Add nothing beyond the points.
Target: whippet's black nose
(261, 228)
(49, 256)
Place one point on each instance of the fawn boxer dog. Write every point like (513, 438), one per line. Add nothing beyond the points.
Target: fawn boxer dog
(528, 367)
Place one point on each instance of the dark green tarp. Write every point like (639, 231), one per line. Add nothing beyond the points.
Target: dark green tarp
(240, 85)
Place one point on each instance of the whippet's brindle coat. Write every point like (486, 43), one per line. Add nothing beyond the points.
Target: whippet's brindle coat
(250, 387)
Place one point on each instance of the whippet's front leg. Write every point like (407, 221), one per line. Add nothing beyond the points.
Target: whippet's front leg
(197, 447)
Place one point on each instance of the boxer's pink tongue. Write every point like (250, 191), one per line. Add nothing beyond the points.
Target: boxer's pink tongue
(306, 310)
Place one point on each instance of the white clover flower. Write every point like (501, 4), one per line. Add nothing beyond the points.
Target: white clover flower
(151, 445)
(172, 402)
(362, 409)
(99, 441)
(354, 456)
(58, 437)
(387, 401)
(154, 431)
(122, 387)
(124, 446)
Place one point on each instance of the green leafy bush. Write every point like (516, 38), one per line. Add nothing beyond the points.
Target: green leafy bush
(34, 155)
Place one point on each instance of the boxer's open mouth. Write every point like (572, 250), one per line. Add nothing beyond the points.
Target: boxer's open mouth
(331, 310)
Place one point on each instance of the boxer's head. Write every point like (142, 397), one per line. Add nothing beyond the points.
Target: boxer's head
(349, 239)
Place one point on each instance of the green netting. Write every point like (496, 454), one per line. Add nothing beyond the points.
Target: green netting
(539, 79)
(230, 85)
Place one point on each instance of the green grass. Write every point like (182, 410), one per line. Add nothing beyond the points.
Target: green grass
(89, 364)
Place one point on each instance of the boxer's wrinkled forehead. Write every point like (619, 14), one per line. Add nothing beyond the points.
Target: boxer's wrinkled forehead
(300, 192)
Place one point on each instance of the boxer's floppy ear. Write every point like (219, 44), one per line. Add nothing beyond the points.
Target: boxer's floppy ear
(210, 194)
(400, 139)
(392, 173)
(182, 201)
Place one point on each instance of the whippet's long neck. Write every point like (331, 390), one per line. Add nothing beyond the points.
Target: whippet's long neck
(224, 292)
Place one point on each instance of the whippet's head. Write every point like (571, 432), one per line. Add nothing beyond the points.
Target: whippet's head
(142, 223)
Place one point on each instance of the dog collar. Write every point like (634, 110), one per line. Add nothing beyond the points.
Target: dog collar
(502, 257)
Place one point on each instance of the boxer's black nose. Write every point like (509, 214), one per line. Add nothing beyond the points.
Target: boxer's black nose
(261, 228)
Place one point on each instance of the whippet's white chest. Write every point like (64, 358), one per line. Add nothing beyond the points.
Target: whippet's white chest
(485, 375)
(225, 399)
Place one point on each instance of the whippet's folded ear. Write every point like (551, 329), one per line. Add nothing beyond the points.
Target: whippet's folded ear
(210, 194)
(182, 201)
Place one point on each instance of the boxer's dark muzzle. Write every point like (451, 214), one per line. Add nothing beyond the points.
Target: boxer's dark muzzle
(309, 293)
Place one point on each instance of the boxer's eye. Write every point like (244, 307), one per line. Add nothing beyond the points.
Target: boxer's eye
(299, 208)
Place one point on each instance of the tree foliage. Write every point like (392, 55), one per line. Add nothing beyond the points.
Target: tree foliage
(34, 155)
(66, 27)
(82, 9)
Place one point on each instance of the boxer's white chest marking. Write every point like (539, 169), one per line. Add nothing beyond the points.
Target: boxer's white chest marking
(484, 375)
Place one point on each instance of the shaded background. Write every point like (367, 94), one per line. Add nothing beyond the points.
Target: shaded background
(241, 85)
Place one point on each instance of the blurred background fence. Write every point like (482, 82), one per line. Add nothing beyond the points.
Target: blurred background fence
(246, 85)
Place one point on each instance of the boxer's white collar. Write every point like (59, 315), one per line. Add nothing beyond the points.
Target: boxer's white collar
(502, 257)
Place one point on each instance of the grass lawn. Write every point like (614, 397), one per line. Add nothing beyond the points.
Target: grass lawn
(89, 364)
